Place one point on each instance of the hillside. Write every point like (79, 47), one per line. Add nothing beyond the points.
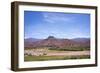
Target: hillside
(56, 42)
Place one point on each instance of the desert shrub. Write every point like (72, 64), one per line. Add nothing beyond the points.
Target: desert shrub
(44, 54)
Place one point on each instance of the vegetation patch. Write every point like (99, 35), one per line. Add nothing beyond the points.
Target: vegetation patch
(45, 58)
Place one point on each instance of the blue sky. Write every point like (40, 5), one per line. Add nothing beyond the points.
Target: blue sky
(60, 25)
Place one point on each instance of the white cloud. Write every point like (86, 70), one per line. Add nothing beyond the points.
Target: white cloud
(56, 17)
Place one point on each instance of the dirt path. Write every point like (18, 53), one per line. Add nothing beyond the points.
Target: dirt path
(68, 53)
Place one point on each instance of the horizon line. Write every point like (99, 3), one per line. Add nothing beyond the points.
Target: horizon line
(56, 37)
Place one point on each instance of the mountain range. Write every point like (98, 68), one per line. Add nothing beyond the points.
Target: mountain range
(51, 41)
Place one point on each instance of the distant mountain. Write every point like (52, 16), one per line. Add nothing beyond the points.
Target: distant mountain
(81, 39)
(31, 40)
(51, 41)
